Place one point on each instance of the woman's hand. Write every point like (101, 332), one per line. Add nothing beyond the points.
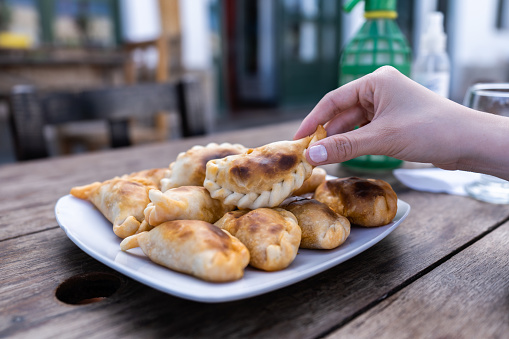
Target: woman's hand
(403, 119)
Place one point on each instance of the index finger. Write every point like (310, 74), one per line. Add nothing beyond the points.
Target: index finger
(333, 103)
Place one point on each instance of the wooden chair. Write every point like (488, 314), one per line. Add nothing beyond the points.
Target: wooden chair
(30, 111)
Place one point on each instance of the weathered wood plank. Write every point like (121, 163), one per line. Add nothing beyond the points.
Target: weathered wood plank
(34, 265)
(466, 297)
(30, 190)
(36, 257)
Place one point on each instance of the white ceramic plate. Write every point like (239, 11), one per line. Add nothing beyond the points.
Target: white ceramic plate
(88, 229)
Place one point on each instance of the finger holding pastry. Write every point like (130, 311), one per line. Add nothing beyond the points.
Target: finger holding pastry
(221, 207)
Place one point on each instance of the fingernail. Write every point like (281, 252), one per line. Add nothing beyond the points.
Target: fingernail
(318, 153)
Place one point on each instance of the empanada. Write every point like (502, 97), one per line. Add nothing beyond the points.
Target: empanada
(121, 201)
(263, 176)
(365, 202)
(153, 176)
(272, 236)
(189, 167)
(322, 228)
(193, 247)
(318, 176)
(184, 203)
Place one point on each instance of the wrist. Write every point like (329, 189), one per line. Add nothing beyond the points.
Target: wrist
(486, 145)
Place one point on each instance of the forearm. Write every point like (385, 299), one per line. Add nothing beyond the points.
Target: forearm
(485, 145)
(402, 119)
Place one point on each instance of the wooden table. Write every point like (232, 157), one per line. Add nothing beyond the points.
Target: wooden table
(444, 273)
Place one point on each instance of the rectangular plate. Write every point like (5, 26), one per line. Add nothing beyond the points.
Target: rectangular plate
(93, 233)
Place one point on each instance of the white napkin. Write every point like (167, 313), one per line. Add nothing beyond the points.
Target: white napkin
(436, 180)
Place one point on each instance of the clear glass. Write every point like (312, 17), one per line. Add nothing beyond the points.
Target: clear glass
(490, 98)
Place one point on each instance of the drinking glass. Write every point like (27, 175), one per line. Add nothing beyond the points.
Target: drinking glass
(490, 98)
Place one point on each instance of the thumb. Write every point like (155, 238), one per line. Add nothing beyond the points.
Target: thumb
(342, 147)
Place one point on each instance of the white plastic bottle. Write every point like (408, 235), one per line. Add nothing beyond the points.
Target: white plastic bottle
(432, 67)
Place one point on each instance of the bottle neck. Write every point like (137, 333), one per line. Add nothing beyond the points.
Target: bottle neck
(381, 15)
(433, 44)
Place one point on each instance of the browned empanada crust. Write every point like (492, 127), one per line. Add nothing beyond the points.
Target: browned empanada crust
(189, 167)
(184, 203)
(152, 176)
(121, 201)
(322, 228)
(263, 176)
(263, 163)
(271, 235)
(310, 184)
(365, 202)
(193, 247)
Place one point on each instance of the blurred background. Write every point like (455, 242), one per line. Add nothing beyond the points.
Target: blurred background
(253, 62)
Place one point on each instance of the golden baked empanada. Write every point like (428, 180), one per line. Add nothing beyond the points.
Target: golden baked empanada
(189, 167)
(318, 176)
(193, 247)
(322, 228)
(153, 176)
(365, 202)
(121, 201)
(272, 236)
(184, 203)
(263, 176)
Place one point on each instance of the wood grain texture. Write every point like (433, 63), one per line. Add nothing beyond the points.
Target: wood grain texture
(34, 265)
(466, 297)
(36, 256)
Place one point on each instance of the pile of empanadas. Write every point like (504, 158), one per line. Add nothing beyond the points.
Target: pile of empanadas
(220, 207)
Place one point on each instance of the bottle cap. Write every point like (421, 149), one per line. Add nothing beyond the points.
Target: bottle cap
(374, 9)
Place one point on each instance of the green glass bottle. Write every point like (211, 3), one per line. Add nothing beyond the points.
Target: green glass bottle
(379, 42)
